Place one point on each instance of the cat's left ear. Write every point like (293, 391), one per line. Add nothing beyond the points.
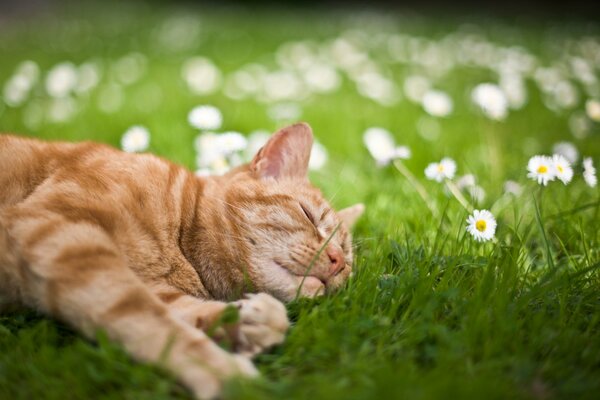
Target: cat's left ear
(286, 154)
(351, 214)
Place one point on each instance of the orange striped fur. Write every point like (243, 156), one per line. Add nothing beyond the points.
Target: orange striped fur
(145, 250)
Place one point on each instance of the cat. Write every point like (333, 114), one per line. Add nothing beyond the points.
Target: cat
(153, 255)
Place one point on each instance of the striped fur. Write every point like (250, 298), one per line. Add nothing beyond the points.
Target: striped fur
(143, 249)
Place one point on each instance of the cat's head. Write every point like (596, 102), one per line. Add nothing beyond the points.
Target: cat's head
(287, 235)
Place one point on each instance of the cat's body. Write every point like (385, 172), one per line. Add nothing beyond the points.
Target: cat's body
(145, 250)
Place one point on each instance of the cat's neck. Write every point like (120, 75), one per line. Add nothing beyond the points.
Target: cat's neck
(208, 239)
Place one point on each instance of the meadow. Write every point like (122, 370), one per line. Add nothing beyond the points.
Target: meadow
(430, 312)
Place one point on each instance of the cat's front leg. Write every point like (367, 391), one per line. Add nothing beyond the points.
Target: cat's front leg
(250, 325)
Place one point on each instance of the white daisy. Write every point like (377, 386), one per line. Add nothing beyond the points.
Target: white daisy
(445, 169)
(318, 156)
(491, 99)
(437, 103)
(562, 168)
(541, 169)
(589, 172)
(230, 142)
(481, 225)
(592, 108)
(567, 150)
(513, 188)
(381, 145)
(205, 117)
(61, 79)
(201, 75)
(465, 181)
(135, 139)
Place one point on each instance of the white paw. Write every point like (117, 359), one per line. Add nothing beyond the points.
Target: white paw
(263, 323)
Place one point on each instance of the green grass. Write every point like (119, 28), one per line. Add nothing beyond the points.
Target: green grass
(429, 313)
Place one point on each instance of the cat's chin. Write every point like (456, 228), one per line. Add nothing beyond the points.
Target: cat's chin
(305, 285)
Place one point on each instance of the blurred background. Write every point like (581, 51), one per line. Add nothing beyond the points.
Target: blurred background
(477, 81)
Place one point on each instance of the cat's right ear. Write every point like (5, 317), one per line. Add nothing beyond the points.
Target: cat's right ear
(286, 154)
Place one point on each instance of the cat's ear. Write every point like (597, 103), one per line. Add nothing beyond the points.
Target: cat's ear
(286, 154)
(351, 214)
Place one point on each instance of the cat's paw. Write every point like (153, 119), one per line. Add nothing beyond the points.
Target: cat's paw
(262, 323)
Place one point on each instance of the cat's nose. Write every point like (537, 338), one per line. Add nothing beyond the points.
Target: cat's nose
(336, 256)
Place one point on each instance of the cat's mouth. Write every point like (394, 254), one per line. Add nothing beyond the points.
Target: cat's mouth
(310, 281)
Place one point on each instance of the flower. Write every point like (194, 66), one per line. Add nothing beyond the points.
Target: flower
(381, 145)
(541, 169)
(491, 99)
(437, 103)
(589, 172)
(592, 108)
(481, 225)
(445, 169)
(201, 75)
(135, 139)
(61, 79)
(562, 168)
(513, 188)
(230, 142)
(466, 181)
(318, 156)
(205, 117)
(567, 150)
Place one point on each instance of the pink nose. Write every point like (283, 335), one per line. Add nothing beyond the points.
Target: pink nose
(337, 260)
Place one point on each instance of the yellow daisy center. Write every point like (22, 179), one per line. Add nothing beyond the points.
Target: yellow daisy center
(542, 169)
(560, 169)
(480, 225)
(440, 167)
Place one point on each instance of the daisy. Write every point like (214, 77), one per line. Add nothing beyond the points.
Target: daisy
(135, 139)
(205, 117)
(567, 150)
(481, 225)
(318, 156)
(592, 108)
(513, 188)
(491, 99)
(381, 145)
(437, 103)
(589, 172)
(541, 169)
(445, 169)
(230, 142)
(562, 168)
(61, 79)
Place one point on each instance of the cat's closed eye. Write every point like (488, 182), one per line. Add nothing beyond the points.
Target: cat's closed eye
(307, 213)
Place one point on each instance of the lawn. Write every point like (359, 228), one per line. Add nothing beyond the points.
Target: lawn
(429, 312)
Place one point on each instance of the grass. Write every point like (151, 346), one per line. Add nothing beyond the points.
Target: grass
(429, 313)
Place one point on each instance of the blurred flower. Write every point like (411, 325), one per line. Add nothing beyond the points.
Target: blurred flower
(465, 181)
(322, 78)
(318, 156)
(515, 90)
(230, 142)
(589, 172)
(445, 169)
(88, 77)
(203, 172)
(513, 187)
(481, 225)
(205, 117)
(592, 108)
(282, 85)
(16, 91)
(135, 139)
(491, 99)
(541, 169)
(415, 88)
(381, 145)
(562, 168)
(61, 109)
(378, 88)
(284, 112)
(567, 150)
(565, 94)
(207, 146)
(130, 68)
(437, 103)
(61, 79)
(428, 128)
(201, 75)
(477, 193)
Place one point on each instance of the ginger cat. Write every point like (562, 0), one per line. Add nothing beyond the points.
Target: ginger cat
(151, 254)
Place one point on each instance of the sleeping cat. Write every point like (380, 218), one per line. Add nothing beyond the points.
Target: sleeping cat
(153, 255)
